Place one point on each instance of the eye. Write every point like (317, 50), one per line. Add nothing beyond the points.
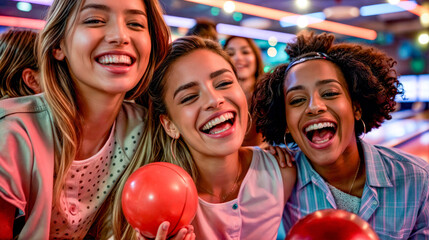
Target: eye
(136, 25)
(330, 94)
(94, 21)
(188, 99)
(224, 84)
(296, 101)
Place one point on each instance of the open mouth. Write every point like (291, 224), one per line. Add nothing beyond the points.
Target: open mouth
(115, 60)
(219, 124)
(322, 132)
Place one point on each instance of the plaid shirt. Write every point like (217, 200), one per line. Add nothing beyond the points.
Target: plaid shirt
(395, 200)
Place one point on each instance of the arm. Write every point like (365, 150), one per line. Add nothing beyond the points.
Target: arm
(7, 215)
(421, 227)
(289, 179)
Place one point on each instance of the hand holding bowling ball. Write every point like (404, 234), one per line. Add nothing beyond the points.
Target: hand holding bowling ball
(331, 224)
(159, 192)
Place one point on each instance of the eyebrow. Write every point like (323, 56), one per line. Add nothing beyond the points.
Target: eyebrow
(219, 72)
(107, 9)
(184, 87)
(318, 83)
(193, 84)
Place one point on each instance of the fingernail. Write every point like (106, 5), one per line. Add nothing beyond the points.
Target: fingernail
(166, 225)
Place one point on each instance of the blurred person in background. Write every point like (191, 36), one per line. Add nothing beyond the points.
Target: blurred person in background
(204, 28)
(19, 70)
(247, 59)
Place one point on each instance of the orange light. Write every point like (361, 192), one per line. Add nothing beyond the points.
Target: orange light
(278, 15)
(418, 10)
(22, 22)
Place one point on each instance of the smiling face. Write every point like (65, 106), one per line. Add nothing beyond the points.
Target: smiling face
(319, 111)
(244, 60)
(205, 103)
(107, 48)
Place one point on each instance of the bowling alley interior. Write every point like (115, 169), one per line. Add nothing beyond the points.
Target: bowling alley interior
(399, 28)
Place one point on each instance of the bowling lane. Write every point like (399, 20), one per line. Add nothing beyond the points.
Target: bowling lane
(418, 146)
(410, 134)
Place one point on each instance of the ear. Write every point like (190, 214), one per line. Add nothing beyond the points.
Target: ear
(30, 78)
(357, 111)
(59, 53)
(169, 127)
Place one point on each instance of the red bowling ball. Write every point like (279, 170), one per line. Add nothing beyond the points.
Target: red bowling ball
(331, 224)
(159, 192)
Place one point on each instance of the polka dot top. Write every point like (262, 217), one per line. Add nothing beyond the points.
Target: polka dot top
(87, 185)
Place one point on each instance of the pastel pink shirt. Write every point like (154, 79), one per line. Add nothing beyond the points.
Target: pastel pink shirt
(256, 212)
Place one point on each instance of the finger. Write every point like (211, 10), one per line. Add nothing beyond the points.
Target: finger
(190, 236)
(139, 236)
(162, 231)
(289, 158)
(272, 149)
(181, 234)
(281, 157)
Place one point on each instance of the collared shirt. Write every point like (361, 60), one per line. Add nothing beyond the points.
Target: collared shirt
(395, 199)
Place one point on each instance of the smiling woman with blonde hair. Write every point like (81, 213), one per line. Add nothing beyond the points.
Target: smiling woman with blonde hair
(63, 152)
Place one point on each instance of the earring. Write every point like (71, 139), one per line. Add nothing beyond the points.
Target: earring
(171, 147)
(286, 144)
(364, 128)
(249, 123)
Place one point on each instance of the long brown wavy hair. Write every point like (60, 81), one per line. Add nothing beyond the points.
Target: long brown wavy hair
(62, 97)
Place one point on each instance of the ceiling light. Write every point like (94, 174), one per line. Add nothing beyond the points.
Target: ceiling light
(24, 6)
(272, 51)
(394, 2)
(424, 19)
(302, 22)
(341, 12)
(22, 22)
(40, 2)
(234, 30)
(269, 13)
(229, 6)
(311, 17)
(302, 4)
(423, 38)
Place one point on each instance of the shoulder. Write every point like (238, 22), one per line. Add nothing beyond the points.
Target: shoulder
(270, 162)
(133, 110)
(396, 163)
(29, 115)
(22, 105)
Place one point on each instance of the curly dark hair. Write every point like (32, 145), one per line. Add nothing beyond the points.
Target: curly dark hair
(372, 83)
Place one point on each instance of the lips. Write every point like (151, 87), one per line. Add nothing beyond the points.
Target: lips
(320, 132)
(219, 124)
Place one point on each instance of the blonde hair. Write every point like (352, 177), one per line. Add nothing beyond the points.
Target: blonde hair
(17, 52)
(62, 96)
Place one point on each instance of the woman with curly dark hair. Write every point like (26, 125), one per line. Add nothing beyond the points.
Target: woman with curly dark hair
(321, 102)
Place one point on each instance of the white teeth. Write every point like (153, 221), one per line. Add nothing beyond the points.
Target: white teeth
(321, 141)
(116, 59)
(222, 118)
(317, 126)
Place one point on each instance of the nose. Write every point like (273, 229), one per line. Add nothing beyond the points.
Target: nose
(315, 106)
(117, 33)
(214, 99)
